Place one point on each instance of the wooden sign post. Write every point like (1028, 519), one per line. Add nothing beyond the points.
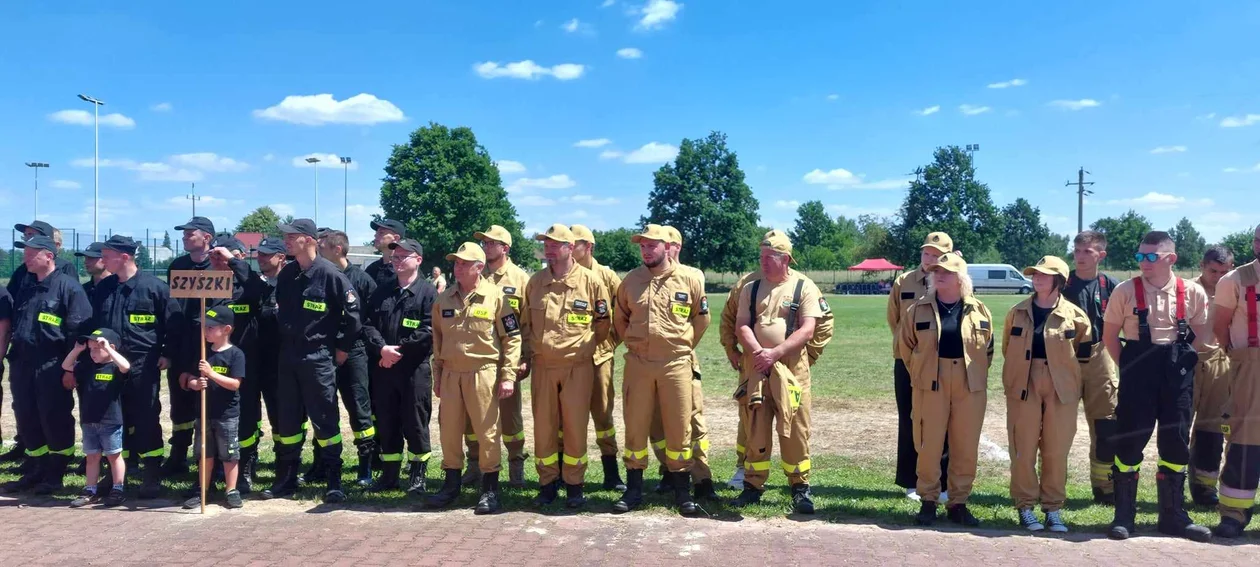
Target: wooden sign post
(201, 284)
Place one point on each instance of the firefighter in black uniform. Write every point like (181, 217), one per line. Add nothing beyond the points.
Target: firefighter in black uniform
(352, 377)
(94, 266)
(399, 333)
(245, 312)
(48, 316)
(382, 270)
(263, 361)
(138, 306)
(6, 320)
(319, 322)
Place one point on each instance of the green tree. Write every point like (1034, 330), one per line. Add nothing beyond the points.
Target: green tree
(1190, 244)
(263, 219)
(1242, 244)
(813, 226)
(876, 241)
(816, 258)
(166, 239)
(946, 197)
(614, 249)
(1124, 235)
(142, 256)
(1056, 245)
(704, 196)
(444, 186)
(1024, 236)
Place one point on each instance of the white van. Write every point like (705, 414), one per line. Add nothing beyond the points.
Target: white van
(999, 278)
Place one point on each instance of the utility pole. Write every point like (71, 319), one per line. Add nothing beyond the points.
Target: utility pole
(194, 198)
(1081, 192)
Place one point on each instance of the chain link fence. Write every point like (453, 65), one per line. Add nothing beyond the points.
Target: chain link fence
(154, 258)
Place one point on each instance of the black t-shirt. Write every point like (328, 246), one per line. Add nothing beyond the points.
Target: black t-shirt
(1039, 331)
(224, 403)
(100, 389)
(951, 343)
(1091, 298)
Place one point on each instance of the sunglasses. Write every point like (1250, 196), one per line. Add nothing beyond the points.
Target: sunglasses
(1150, 257)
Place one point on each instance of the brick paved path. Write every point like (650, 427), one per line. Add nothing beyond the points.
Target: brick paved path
(291, 533)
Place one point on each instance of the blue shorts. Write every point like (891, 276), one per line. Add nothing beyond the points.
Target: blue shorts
(102, 438)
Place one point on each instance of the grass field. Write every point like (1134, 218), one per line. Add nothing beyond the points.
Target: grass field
(852, 438)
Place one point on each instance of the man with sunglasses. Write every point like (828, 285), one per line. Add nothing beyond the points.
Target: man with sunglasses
(1163, 319)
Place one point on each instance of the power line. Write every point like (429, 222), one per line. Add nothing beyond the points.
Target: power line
(1081, 192)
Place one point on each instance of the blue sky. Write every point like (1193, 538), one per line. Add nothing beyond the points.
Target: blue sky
(580, 101)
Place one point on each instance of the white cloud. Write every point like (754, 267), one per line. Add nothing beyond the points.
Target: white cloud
(283, 209)
(787, 204)
(596, 143)
(64, 184)
(320, 109)
(608, 3)
(592, 200)
(929, 110)
(157, 171)
(629, 53)
(161, 107)
(560, 181)
(1161, 202)
(652, 152)
(1230, 170)
(534, 201)
(1008, 84)
(571, 25)
(971, 110)
(1240, 121)
(656, 13)
(105, 162)
(85, 118)
(206, 161)
(1169, 150)
(182, 202)
(269, 157)
(325, 161)
(527, 69)
(610, 154)
(844, 179)
(884, 184)
(1075, 104)
(833, 97)
(509, 167)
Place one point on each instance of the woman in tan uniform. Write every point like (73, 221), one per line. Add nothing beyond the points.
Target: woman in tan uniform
(948, 337)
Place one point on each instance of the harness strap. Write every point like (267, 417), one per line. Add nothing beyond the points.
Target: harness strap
(1253, 337)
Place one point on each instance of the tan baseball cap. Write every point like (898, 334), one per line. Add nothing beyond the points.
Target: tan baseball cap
(774, 232)
(950, 262)
(1050, 266)
(674, 235)
(939, 241)
(495, 233)
(468, 252)
(652, 232)
(580, 232)
(779, 243)
(558, 233)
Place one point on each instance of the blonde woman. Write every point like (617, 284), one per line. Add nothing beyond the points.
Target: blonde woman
(948, 335)
(1041, 376)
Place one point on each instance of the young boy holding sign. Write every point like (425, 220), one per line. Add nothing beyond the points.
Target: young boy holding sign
(99, 377)
(221, 372)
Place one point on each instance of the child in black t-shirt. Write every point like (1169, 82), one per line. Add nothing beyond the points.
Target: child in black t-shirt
(98, 370)
(221, 373)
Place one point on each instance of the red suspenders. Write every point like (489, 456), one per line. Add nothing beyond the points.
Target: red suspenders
(1253, 340)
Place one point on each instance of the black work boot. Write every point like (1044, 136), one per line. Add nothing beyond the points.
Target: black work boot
(751, 495)
(449, 492)
(960, 514)
(54, 475)
(547, 494)
(176, 463)
(682, 494)
(1203, 495)
(364, 478)
(245, 478)
(1230, 528)
(388, 479)
(633, 496)
(1103, 497)
(516, 474)
(927, 513)
(285, 484)
(1173, 519)
(317, 472)
(489, 502)
(333, 493)
(612, 474)
(802, 500)
(151, 483)
(573, 496)
(666, 485)
(1122, 526)
(416, 477)
(17, 453)
(705, 491)
(472, 473)
(30, 477)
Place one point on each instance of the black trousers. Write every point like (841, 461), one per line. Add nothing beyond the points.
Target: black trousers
(352, 384)
(307, 385)
(907, 455)
(42, 407)
(404, 405)
(260, 369)
(184, 412)
(142, 409)
(1156, 390)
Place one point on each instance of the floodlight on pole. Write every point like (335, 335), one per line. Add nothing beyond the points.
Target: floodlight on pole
(36, 165)
(96, 158)
(345, 196)
(315, 162)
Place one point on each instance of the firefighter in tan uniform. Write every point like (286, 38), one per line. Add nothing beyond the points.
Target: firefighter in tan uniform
(661, 313)
(907, 289)
(946, 339)
(565, 317)
(823, 331)
(777, 316)
(603, 394)
(1041, 377)
(477, 350)
(500, 271)
(1211, 390)
(1236, 321)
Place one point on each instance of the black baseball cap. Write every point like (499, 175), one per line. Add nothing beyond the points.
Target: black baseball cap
(228, 241)
(408, 245)
(38, 242)
(102, 333)
(39, 226)
(390, 225)
(270, 246)
(219, 316)
(93, 251)
(198, 223)
(300, 226)
(120, 243)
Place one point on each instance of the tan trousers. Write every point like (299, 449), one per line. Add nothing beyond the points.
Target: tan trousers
(561, 397)
(666, 385)
(511, 425)
(469, 397)
(699, 436)
(761, 432)
(603, 398)
(951, 409)
(1098, 394)
(1041, 422)
(1211, 390)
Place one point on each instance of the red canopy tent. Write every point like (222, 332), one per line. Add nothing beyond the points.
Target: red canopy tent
(875, 265)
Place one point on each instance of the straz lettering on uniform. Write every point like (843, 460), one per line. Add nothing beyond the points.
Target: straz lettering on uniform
(317, 306)
(197, 283)
(239, 309)
(411, 323)
(682, 310)
(514, 302)
(579, 318)
(142, 319)
(221, 370)
(105, 377)
(50, 319)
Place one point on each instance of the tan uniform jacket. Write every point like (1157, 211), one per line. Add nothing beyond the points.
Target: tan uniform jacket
(1207, 344)
(1231, 294)
(1066, 328)
(511, 280)
(661, 318)
(565, 319)
(906, 290)
(824, 328)
(475, 331)
(920, 332)
(1162, 302)
(610, 280)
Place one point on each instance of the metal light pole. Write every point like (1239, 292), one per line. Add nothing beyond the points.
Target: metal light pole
(315, 161)
(96, 158)
(36, 165)
(345, 196)
(194, 198)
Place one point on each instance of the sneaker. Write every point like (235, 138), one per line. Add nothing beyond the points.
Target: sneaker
(1029, 521)
(85, 498)
(1055, 521)
(737, 480)
(959, 514)
(116, 497)
(912, 494)
(234, 499)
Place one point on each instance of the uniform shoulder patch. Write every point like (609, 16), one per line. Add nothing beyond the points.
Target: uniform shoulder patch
(350, 297)
(680, 296)
(822, 304)
(510, 323)
(704, 305)
(448, 313)
(601, 306)
(509, 290)
(984, 325)
(580, 304)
